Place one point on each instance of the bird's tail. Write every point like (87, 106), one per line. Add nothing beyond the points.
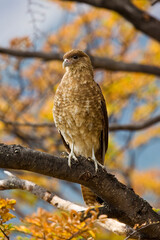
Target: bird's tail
(89, 196)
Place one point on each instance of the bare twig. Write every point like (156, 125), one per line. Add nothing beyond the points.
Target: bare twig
(4, 233)
(36, 16)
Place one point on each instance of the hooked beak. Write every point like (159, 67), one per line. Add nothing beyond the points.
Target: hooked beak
(66, 63)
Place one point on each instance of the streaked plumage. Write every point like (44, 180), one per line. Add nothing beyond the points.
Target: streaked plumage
(80, 112)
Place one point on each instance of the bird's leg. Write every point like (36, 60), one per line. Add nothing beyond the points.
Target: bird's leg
(96, 163)
(71, 155)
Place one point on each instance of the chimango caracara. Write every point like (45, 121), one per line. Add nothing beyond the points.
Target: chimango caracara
(80, 114)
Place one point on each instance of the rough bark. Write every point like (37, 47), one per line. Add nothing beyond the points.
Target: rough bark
(133, 209)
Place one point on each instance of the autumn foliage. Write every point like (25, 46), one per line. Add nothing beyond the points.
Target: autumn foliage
(27, 87)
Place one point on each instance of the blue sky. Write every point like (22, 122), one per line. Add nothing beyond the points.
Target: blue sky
(16, 20)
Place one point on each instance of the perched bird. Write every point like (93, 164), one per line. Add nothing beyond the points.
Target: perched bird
(80, 114)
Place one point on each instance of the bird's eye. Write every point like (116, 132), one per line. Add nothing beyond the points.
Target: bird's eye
(75, 57)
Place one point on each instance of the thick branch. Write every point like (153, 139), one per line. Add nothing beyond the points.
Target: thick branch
(14, 182)
(133, 208)
(112, 127)
(98, 62)
(140, 19)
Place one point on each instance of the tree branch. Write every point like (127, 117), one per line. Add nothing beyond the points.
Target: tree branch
(135, 127)
(14, 182)
(112, 127)
(98, 62)
(153, 2)
(133, 208)
(141, 20)
(112, 65)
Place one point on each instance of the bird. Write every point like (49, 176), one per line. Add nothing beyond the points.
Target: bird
(80, 114)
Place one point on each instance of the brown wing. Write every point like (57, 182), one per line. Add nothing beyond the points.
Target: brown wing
(100, 154)
(104, 138)
(65, 144)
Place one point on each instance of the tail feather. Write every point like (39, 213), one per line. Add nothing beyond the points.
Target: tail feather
(89, 196)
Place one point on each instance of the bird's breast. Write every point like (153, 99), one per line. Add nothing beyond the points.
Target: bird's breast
(77, 114)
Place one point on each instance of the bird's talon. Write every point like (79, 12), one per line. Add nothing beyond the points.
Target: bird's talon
(69, 161)
(64, 154)
(70, 157)
(96, 167)
(102, 166)
(96, 163)
(75, 158)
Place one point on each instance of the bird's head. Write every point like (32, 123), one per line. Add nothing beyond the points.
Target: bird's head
(76, 59)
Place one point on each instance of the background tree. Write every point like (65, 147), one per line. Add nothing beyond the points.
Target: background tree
(126, 64)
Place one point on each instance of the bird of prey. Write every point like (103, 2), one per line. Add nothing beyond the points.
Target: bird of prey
(80, 114)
